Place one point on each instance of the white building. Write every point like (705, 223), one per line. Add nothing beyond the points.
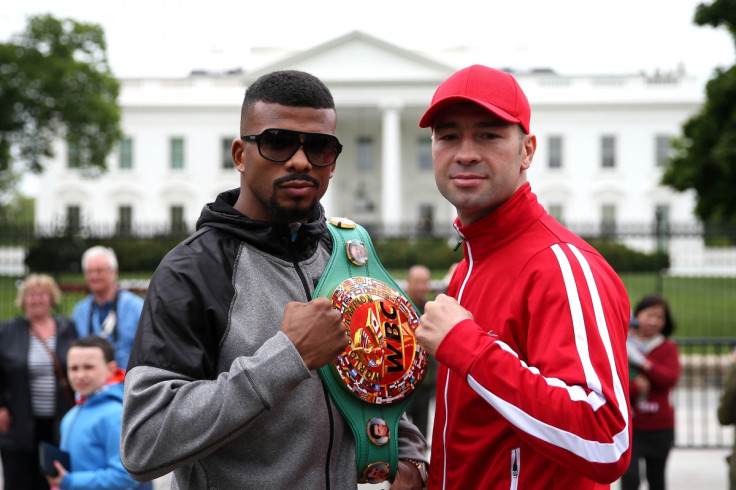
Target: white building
(601, 141)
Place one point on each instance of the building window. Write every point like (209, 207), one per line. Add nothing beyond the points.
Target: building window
(177, 218)
(177, 153)
(662, 213)
(73, 156)
(554, 146)
(608, 151)
(364, 150)
(556, 210)
(227, 156)
(126, 153)
(362, 203)
(662, 225)
(662, 150)
(426, 219)
(608, 220)
(424, 154)
(125, 220)
(73, 218)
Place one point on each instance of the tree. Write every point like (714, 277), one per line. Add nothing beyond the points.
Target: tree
(55, 82)
(705, 155)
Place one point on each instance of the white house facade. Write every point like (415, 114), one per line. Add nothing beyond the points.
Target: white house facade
(601, 141)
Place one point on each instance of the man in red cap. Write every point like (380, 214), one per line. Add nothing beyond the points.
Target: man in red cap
(532, 389)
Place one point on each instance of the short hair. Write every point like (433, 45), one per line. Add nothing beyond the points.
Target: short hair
(100, 250)
(373, 428)
(43, 280)
(290, 88)
(656, 300)
(108, 351)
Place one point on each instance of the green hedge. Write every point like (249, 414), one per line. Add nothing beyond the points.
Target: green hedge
(400, 253)
(624, 259)
(60, 255)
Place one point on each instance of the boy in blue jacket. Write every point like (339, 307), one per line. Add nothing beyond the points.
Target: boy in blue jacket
(90, 432)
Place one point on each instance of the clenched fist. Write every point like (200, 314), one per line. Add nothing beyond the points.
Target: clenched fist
(316, 330)
(439, 317)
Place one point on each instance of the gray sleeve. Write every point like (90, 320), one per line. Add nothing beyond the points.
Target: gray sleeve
(170, 420)
(412, 444)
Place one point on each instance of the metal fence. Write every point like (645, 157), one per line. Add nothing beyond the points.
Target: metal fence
(698, 279)
(705, 363)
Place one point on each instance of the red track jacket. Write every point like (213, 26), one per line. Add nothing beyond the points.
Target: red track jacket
(532, 393)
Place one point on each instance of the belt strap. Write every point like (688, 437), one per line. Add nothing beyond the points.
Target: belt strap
(373, 380)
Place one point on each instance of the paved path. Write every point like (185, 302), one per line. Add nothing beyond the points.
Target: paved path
(687, 469)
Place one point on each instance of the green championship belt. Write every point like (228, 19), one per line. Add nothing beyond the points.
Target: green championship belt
(372, 380)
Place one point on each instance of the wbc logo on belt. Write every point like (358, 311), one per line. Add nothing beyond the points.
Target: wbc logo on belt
(383, 361)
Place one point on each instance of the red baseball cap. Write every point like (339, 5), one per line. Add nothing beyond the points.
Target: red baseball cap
(492, 89)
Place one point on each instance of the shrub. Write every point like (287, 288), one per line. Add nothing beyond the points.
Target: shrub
(625, 259)
(63, 254)
(402, 253)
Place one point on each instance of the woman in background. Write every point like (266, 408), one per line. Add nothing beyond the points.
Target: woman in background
(34, 394)
(656, 369)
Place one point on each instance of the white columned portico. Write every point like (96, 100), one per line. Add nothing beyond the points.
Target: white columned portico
(391, 168)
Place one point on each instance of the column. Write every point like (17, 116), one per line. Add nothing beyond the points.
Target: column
(391, 208)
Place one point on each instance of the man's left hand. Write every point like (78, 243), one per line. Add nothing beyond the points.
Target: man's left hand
(407, 477)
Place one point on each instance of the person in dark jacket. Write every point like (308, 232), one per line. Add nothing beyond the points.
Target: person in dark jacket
(34, 394)
(418, 280)
(222, 386)
(727, 414)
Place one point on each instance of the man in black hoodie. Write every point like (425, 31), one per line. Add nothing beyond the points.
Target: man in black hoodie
(222, 386)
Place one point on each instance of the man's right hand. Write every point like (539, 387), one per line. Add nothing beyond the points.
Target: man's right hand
(440, 316)
(316, 330)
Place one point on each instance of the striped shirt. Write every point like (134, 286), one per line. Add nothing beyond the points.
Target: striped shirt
(42, 377)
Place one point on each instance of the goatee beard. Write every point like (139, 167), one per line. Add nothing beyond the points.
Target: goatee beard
(293, 214)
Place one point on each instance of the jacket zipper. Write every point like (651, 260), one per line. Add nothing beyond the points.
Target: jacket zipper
(447, 380)
(515, 464)
(328, 403)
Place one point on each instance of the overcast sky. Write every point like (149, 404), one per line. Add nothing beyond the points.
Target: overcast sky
(171, 38)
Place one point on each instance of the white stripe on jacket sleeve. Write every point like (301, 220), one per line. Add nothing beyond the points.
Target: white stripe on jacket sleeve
(593, 451)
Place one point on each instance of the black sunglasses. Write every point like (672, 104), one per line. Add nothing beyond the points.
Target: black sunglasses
(279, 145)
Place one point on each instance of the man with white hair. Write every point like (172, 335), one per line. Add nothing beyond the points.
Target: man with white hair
(107, 311)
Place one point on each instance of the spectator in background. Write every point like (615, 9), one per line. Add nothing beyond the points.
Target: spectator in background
(448, 276)
(34, 394)
(417, 287)
(727, 414)
(656, 369)
(107, 311)
(90, 432)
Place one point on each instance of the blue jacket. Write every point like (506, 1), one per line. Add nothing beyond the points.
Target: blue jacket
(128, 312)
(90, 433)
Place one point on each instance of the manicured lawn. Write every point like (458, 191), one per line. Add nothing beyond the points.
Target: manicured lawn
(701, 306)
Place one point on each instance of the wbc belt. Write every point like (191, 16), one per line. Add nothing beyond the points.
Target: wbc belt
(372, 380)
